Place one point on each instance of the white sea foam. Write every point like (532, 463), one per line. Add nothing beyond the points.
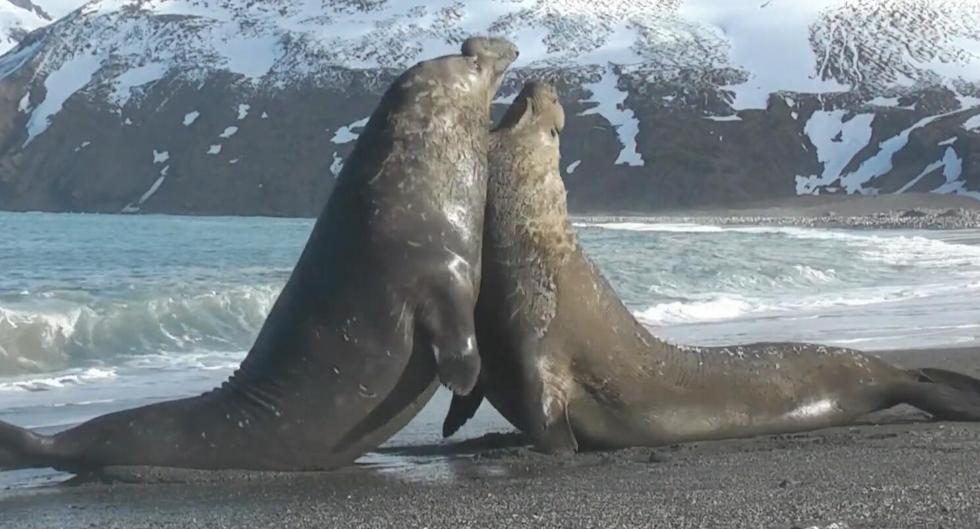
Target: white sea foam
(722, 308)
(728, 306)
(56, 381)
(644, 226)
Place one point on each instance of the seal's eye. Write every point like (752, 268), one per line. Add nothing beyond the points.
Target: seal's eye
(554, 132)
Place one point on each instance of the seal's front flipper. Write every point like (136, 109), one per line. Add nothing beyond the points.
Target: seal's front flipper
(556, 435)
(549, 425)
(460, 369)
(462, 409)
(446, 324)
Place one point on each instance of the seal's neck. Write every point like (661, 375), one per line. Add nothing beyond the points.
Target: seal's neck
(526, 195)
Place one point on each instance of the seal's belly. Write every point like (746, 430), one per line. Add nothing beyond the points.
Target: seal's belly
(653, 422)
(735, 420)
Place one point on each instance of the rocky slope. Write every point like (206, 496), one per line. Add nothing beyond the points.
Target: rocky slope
(248, 107)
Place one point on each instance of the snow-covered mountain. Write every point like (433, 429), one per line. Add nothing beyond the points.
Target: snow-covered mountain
(249, 106)
(20, 17)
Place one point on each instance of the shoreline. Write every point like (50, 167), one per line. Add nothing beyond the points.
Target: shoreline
(882, 472)
(905, 211)
(916, 219)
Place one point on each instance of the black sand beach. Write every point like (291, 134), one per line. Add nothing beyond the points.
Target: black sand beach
(884, 473)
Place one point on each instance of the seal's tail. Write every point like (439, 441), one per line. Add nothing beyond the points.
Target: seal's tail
(946, 395)
(22, 448)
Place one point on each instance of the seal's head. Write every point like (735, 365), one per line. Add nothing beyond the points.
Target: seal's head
(492, 55)
(536, 107)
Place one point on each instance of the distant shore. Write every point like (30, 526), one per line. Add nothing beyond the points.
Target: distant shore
(882, 473)
(906, 211)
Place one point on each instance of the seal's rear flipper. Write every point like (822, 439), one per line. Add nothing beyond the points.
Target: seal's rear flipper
(22, 448)
(946, 395)
(950, 378)
(461, 410)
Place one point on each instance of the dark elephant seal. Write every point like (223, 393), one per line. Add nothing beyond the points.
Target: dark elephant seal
(566, 362)
(380, 301)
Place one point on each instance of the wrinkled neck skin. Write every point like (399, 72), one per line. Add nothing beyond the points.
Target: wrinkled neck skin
(526, 199)
(531, 239)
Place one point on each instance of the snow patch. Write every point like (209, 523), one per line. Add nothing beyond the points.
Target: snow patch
(952, 170)
(881, 101)
(136, 77)
(82, 145)
(973, 123)
(233, 161)
(243, 111)
(228, 132)
(133, 208)
(214, 149)
(948, 141)
(250, 56)
(346, 133)
(161, 156)
(153, 189)
(336, 165)
(573, 166)
(881, 163)
(25, 103)
(265, 115)
(609, 101)
(60, 84)
(927, 171)
(733, 117)
(822, 128)
(191, 117)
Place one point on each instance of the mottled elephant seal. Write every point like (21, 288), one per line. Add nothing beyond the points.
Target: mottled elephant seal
(567, 363)
(380, 301)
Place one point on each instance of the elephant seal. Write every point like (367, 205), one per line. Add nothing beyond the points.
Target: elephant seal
(567, 363)
(379, 303)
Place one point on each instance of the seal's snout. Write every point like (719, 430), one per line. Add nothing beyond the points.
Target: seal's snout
(495, 51)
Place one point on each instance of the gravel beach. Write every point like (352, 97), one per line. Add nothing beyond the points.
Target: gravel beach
(906, 211)
(883, 473)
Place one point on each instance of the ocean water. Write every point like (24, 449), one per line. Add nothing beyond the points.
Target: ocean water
(104, 312)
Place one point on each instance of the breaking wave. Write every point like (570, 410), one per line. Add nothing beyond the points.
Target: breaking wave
(59, 331)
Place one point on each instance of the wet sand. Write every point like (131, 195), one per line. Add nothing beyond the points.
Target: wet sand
(883, 473)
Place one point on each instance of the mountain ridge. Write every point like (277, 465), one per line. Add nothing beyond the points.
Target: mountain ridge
(213, 106)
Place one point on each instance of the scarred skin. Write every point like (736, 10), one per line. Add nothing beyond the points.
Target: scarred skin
(379, 304)
(567, 363)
